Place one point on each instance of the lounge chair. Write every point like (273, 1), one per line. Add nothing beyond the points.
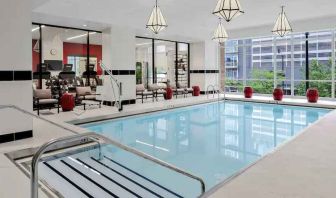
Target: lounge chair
(85, 93)
(141, 91)
(43, 99)
(177, 91)
(187, 89)
(157, 89)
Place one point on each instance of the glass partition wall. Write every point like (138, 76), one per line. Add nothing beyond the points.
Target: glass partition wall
(65, 56)
(268, 62)
(162, 62)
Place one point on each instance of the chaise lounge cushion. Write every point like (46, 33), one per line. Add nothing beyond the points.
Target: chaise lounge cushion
(82, 91)
(140, 88)
(42, 93)
(48, 101)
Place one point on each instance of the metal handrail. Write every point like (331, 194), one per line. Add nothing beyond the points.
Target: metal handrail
(94, 137)
(113, 79)
(214, 91)
(82, 138)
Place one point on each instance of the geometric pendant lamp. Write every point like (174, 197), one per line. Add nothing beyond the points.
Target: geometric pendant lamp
(156, 21)
(282, 26)
(220, 34)
(228, 9)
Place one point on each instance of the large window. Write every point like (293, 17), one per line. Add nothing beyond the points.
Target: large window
(162, 62)
(268, 62)
(65, 55)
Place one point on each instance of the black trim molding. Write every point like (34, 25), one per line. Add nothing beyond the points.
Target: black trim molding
(19, 75)
(16, 136)
(204, 71)
(124, 102)
(121, 72)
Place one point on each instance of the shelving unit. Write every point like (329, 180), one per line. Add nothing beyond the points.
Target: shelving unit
(182, 69)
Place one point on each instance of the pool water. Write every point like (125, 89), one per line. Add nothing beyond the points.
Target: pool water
(213, 141)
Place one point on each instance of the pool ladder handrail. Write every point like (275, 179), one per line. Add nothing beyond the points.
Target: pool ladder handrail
(214, 91)
(83, 139)
(118, 102)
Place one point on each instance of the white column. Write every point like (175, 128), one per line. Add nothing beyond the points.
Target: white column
(204, 64)
(119, 56)
(15, 67)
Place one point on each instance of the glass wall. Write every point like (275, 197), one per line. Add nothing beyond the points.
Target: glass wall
(144, 59)
(165, 58)
(268, 62)
(66, 57)
(36, 54)
(170, 66)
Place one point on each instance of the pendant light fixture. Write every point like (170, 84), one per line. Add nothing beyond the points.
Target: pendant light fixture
(282, 26)
(220, 34)
(228, 9)
(156, 21)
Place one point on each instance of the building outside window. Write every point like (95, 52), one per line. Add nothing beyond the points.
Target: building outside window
(268, 62)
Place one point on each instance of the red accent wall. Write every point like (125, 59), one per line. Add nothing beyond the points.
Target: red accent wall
(36, 56)
(76, 49)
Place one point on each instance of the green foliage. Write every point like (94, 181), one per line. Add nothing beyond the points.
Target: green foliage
(317, 71)
(264, 83)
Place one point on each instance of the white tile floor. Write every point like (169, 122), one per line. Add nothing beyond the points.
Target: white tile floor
(301, 168)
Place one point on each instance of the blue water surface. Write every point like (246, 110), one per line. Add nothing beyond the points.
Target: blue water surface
(213, 141)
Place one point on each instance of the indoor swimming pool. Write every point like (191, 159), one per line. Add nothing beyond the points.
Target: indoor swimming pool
(213, 141)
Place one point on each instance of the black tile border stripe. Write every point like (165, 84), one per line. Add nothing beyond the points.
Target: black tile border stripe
(16, 136)
(121, 72)
(18, 75)
(109, 178)
(90, 179)
(204, 71)
(138, 174)
(122, 175)
(68, 180)
(124, 102)
(22, 75)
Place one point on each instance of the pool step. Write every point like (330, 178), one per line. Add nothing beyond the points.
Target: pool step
(78, 176)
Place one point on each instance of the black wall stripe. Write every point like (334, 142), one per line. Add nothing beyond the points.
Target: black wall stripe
(22, 75)
(6, 75)
(121, 72)
(11, 75)
(204, 71)
(16, 136)
(123, 102)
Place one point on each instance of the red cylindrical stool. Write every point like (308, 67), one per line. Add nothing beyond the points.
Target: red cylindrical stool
(312, 95)
(196, 90)
(67, 102)
(169, 93)
(278, 94)
(248, 92)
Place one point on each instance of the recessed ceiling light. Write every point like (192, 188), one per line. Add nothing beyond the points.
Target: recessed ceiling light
(84, 25)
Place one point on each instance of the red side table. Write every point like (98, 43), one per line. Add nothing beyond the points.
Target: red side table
(67, 102)
(248, 92)
(196, 90)
(278, 94)
(312, 95)
(169, 93)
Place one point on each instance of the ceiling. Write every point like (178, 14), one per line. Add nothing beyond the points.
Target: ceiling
(66, 35)
(188, 20)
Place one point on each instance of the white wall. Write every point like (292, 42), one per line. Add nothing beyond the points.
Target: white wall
(204, 56)
(15, 55)
(119, 54)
